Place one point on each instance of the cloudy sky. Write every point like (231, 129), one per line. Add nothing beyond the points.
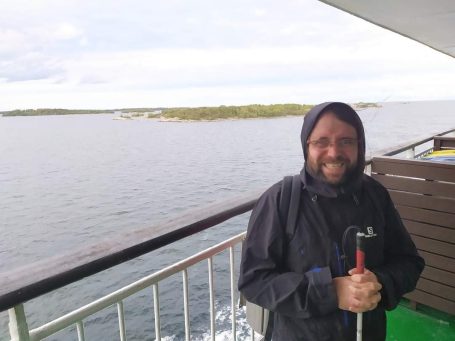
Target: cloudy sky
(150, 53)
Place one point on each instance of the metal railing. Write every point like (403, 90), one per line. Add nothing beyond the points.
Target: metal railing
(30, 282)
(20, 332)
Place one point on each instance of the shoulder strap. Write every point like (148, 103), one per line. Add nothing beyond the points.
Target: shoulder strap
(285, 198)
(290, 201)
(259, 318)
(294, 205)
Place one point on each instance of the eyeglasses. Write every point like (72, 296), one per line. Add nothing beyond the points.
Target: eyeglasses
(324, 143)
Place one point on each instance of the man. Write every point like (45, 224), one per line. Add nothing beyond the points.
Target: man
(307, 279)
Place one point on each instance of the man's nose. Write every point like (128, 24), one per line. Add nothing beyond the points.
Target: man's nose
(333, 149)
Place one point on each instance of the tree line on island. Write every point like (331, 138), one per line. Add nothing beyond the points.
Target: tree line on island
(45, 112)
(245, 111)
(190, 114)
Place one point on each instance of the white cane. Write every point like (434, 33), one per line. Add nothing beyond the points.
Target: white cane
(360, 267)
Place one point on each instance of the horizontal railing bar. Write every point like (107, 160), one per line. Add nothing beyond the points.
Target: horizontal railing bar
(36, 279)
(407, 145)
(119, 295)
(33, 280)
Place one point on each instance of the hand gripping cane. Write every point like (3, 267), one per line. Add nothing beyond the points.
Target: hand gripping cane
(360, 267)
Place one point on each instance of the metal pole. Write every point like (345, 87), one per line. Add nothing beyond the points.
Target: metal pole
(186, 307)
(80, 331)
(212, 300)
(231, 257)
(156, 308)
(121, 320)
(18, 328)
(410, 153)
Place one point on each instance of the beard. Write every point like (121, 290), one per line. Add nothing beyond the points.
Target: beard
(316, 169)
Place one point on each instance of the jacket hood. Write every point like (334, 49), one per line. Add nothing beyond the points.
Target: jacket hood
(348, 115)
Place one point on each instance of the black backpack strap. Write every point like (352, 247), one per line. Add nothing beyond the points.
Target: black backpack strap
(291, 187)
(285, 198)
(294, 205)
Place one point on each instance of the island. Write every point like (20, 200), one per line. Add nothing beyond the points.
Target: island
(45, 112)
(234, 112)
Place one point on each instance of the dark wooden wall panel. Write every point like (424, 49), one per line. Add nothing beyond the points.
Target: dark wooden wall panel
(434, 246)
(438, 289)
(444, 142)
(424, 195)
(436, 302)
(430, 231)
(438, 261)
(437, 275)
(414, 168)
(418, 200)
(415, 185)
(427, 216)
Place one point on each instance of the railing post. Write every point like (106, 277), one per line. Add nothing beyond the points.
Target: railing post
(121, 320)
(410, 153)
(80, 331)
(186, 305)
(234, 317)
(212, 301)
(156, 308)
(18, 328)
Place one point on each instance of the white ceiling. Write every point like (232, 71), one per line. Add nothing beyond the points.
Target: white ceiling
(430, 22)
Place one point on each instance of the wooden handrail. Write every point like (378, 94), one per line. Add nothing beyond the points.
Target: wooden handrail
(33, 280)
(444, 142)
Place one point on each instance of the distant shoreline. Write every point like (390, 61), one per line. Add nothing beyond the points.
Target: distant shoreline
(198, 114)
(179, 120)
(53, 112)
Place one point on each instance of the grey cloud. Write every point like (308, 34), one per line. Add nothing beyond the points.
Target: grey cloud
(29, 68)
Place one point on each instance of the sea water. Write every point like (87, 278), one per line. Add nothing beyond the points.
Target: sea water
(69, 181)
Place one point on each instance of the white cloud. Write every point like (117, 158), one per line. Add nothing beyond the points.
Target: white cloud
(259, 12)
(11, 41)
(173, 53)
(66, 31)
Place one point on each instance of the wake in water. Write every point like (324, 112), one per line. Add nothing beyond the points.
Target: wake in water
(223, 320)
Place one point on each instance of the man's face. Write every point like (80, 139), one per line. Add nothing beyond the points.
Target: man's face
(332, 149)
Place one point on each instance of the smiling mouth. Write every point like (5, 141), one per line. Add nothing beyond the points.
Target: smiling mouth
(334, 165)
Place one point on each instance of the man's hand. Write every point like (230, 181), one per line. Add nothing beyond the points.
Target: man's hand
(358, 292)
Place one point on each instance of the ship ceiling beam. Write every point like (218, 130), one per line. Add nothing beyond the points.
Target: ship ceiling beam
(431, 23)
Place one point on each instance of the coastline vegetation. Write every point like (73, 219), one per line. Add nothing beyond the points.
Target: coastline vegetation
(43, 112)
(235, 112)
(140, 110)
(191, 114)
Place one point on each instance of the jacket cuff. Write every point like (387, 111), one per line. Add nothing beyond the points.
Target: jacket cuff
(388, 301)
(321, 295)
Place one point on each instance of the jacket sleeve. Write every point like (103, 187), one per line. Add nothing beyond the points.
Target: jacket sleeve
(263, 278)
(402, 266)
